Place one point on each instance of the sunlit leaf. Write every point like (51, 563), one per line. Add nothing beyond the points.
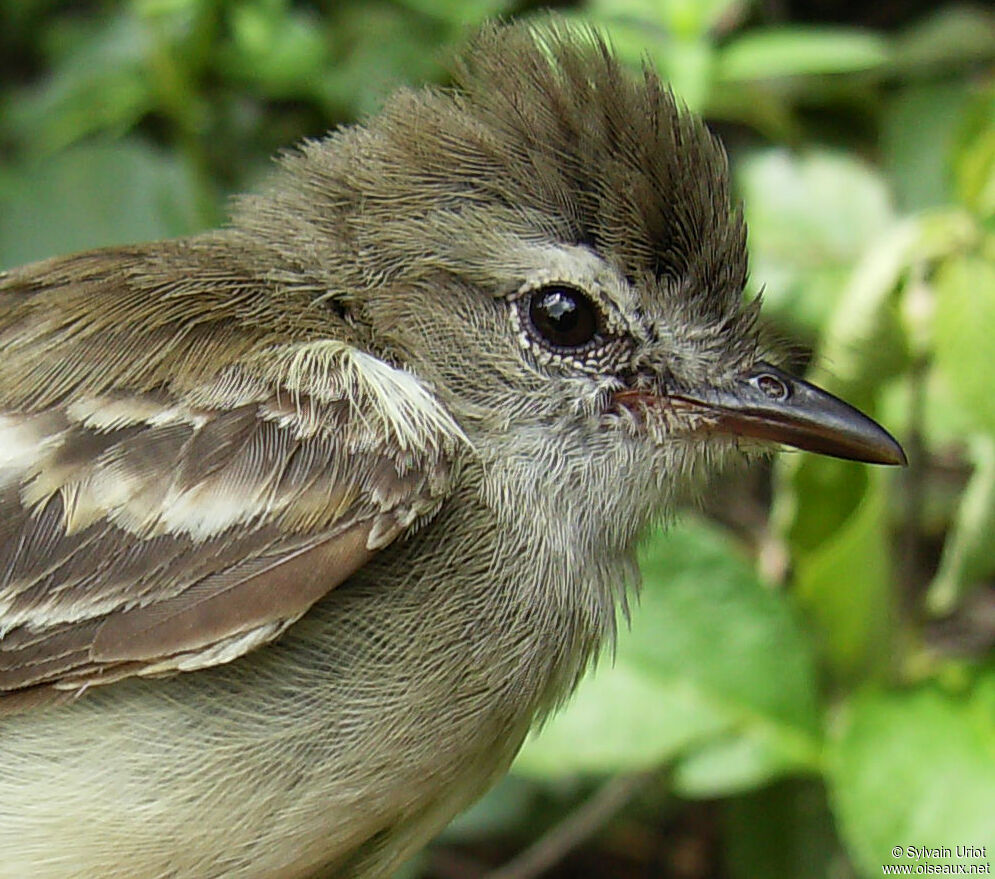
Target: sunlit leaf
(737, 762)
(683, 19)
(283, 51)
(803, 257)
(916, 768)
(964, 334)
(863, 346)
(974, 156)
(761, 53)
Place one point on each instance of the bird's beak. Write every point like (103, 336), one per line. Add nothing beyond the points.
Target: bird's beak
(768, 404)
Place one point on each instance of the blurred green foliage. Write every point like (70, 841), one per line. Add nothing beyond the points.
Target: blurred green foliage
(819, 669)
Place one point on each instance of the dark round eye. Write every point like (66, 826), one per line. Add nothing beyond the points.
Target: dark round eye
(563, 316)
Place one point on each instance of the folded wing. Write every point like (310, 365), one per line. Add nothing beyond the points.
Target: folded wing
(169, 529)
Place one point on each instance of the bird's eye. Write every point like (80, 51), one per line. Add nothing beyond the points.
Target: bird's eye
(563, 316)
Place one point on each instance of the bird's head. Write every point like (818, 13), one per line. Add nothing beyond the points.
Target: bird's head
(552, 246)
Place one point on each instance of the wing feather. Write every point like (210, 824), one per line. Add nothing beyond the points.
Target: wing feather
(147, 530)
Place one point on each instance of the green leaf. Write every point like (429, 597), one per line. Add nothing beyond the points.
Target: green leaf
(918, 156)
(862, 343)
(761, 53)
(685, 20)
(964, 329)
(803, 256)
(813, 498)
(974, 155)
(622, 718)
(376, 48)
(459, 13)
(968, 555)
(712, 658)
(976, 177)
(942, 421)
(281, 50)
(844, 583)
(95, 195)
(706, 618)
(101, 84)
(915, 768)
(863, 346)
(734, 762)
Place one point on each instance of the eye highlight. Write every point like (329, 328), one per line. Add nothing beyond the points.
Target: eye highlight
(563, 316)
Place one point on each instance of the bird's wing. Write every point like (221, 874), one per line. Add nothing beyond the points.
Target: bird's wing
(152, 529)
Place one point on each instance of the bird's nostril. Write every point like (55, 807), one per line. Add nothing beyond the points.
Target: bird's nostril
(772, 386)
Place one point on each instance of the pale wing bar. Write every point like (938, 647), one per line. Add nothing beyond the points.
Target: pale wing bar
(147, 534)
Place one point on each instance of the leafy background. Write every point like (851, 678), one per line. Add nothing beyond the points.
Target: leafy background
(809, 679)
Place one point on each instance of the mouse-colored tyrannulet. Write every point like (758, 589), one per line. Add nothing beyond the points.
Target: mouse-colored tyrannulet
(304, 523)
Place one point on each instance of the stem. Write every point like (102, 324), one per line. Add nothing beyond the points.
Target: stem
(578, 826)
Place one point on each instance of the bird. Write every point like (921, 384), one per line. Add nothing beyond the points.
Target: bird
(307, 521)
